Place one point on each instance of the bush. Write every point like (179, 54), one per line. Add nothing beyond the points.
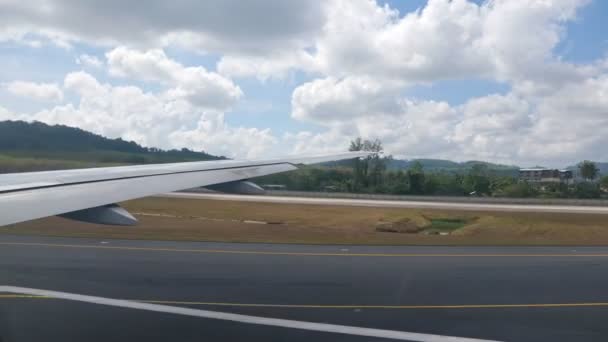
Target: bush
(587, 190)
(519, 190)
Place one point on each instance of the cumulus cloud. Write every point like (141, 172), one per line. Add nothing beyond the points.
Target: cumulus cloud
(219, 26)
(306, 142)
(275, 66)
(370, 54)
(89, 61)
(152, 119)
(359, 56)
(38, 91)
(5, 114)
(336, 100)
(555, 129)
(493, 127)
(202, 88)
(445, 39)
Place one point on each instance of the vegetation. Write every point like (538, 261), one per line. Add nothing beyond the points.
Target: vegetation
(604, 183)
(232, 221)
(373, 175)
(588, 170)
(37, 146)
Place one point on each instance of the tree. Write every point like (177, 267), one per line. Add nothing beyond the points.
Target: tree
(359, 165)
(587, 190)
(519, 190)
(604, 183)
(415, 175)
(369, 170)
(477, 181)
(588, 170)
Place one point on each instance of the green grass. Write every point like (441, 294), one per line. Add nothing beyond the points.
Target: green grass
(448, 224)
(163, 218)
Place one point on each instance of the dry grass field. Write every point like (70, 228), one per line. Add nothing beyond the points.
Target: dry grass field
(233, 221)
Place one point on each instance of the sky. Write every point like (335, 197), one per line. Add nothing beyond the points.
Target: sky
(511, 81)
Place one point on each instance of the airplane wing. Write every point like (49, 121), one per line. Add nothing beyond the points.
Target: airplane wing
(91, 194)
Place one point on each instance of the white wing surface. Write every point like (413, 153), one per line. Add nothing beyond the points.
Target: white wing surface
(32, 195)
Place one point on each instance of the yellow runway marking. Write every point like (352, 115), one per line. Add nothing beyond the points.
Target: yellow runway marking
(322, 306)
(229, 251)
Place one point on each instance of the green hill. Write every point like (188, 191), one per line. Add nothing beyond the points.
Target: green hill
(441, 165)
(37, 146)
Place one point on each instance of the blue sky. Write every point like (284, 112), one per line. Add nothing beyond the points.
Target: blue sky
(296, 83)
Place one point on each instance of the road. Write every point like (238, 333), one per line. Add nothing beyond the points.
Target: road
(183, 291)
(397, 204)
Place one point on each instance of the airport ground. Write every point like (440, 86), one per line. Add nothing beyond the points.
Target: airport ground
(349, 282)
(224, 218)
(496, 293)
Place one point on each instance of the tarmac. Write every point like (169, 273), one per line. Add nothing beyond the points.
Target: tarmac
(75, 289)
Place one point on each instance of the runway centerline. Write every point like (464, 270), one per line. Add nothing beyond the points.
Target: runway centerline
(329, 254)
(348, 307)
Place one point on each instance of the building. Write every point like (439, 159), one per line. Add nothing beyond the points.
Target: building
(542, 175)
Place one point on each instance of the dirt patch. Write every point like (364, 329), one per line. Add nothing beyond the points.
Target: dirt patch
(405, 225)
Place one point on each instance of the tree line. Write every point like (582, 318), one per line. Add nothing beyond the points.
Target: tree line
(20, 139)
(370, 175)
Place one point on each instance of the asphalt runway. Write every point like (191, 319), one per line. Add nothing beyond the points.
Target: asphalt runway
(495, 207)
(181, 291)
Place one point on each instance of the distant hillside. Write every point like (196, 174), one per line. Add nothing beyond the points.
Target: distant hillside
(37, 146)
(440, 165)
(603, 167)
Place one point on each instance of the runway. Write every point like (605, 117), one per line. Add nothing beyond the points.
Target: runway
(495, 207)
(422, 293)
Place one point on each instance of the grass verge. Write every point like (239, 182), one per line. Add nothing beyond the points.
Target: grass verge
(233, 221)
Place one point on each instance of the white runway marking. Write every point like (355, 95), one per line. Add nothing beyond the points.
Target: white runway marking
(276, 322)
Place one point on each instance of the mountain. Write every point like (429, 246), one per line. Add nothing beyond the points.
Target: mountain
(602, 166)
(441, 165)
(26, 146)
(427, 164)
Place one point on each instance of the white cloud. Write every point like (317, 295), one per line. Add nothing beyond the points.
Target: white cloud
(89, 61)
(152, 119)
(332, 100)
(493, 127)
(569, 123)
(202, 88)
(213, 134)
(553, 129)
(38, 91)
(407, 128)
(360, 58)
(305, 142)
(445, 39)
(370, 54)
(5, 114)
(255, 26)
(275, 66)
